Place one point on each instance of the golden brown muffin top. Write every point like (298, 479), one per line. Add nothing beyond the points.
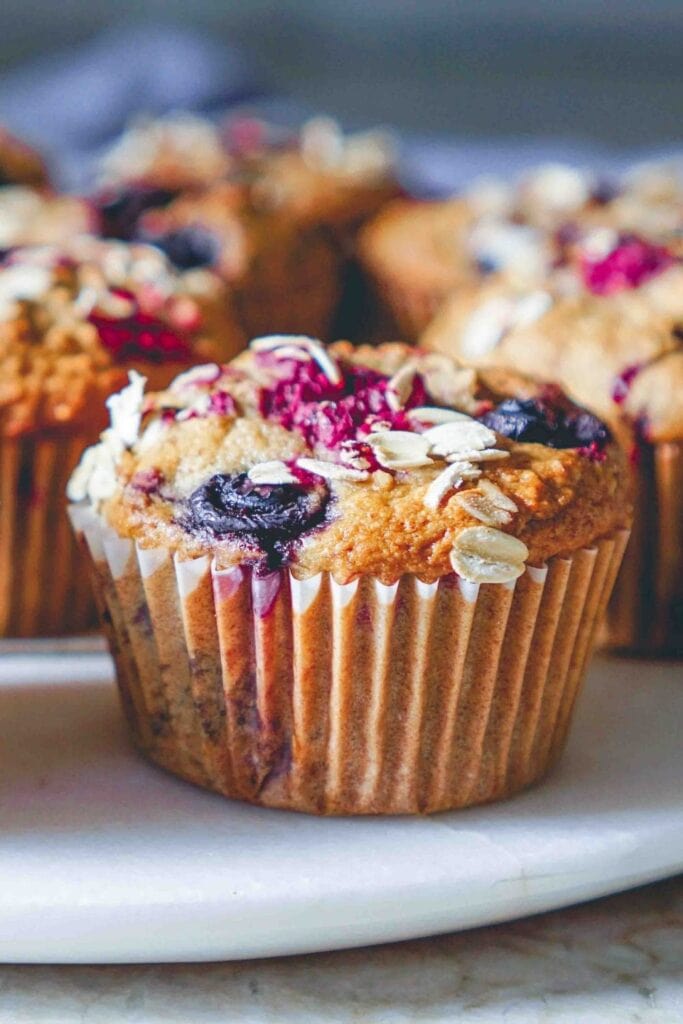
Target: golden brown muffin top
(19, 163)
(73, 318)
(350, 460)
(607, 326)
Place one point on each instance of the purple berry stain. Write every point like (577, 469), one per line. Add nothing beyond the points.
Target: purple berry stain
(623, 383)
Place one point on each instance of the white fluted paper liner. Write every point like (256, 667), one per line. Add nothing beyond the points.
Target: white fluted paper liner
(349, 698)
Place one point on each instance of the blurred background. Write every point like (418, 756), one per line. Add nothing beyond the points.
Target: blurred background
(608, 69)
(586, 70)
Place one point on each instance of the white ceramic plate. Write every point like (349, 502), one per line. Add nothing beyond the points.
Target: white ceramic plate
(104, 858)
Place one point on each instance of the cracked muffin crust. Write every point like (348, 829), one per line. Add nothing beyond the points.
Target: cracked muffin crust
(356, 461)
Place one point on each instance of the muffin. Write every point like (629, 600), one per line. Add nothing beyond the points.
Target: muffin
(333, 581)
(154, 161)
(336, 182)
(278, 273)
(292, 202)
(419, 253)
(607, 326)
(72, 321)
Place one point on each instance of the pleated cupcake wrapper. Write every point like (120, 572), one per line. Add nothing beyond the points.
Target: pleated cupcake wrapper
(347, 698)
(646, 610)
(44, 587)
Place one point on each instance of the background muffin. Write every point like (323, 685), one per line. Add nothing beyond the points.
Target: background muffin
(72, 321)
(338, 581)
(419, 253)
(607, 327)
(290, 201)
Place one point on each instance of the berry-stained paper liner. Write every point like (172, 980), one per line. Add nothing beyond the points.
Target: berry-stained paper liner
(360, 698)
(646, 610)
(44, 586)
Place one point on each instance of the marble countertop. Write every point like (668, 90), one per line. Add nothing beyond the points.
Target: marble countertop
(619, 959)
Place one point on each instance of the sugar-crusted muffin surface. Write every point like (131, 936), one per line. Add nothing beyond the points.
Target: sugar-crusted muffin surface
(383, 461)
(607, 325)
(74, 317)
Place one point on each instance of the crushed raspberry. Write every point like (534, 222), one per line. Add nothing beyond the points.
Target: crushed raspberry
(622, 384)
(628, 265)
(222, 404)
(139, 336)
(328, 414)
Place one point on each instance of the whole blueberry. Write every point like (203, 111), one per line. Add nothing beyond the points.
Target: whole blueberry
(533, 420)
(265, 513)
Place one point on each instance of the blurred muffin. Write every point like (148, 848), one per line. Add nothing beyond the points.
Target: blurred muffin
(155, 160)
(419, 253)
(301, 198)
(329, 178)
(280, 274)
(334, 581)
(608, 327)
(72, 321)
